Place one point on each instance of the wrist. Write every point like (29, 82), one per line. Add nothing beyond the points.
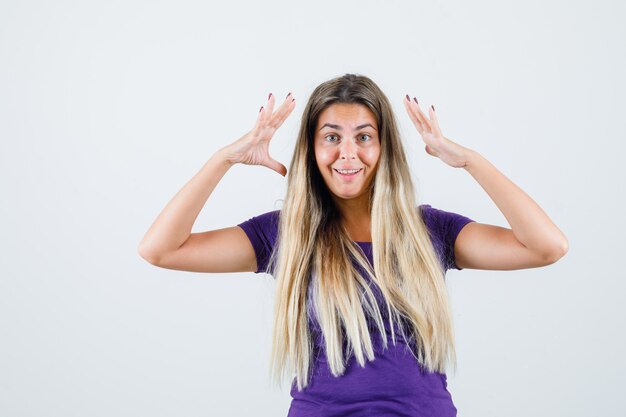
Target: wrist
(473, 158)
(224, 157)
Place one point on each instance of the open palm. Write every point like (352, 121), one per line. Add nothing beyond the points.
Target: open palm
(437, 145)
(253, 147)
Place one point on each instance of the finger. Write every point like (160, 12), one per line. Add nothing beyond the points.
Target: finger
(270, 104)
(433, 121)
(414, 107)
(284, 110)
(266, 111)
(422, 117)
(260, 116)
(281, 112)
(413, 114)
(276, 166)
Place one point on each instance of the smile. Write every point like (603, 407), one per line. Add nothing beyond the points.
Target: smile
(348, 172)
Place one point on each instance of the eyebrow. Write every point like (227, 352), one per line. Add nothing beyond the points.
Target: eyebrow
(332, 126)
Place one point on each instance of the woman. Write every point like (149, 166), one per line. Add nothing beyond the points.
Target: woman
(361, 313)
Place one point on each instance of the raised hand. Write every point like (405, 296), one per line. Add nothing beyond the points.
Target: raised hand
(437, 145)
(253, 147)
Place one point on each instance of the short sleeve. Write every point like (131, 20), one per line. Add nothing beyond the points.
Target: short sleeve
(444, 227)
(262, 231)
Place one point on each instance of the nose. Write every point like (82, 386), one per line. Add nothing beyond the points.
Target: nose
(347, 149)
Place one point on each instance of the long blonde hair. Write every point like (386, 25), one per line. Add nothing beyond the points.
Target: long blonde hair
(312, 242)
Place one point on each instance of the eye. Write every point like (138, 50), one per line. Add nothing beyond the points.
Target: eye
(366, 136)
(329, 138)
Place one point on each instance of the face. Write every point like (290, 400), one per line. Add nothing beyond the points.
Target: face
(347, 148)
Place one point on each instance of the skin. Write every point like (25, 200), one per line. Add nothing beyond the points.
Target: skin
(532, 240)
(351, 142)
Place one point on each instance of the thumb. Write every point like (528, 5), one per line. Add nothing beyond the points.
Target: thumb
(276, 166)
(430, 151)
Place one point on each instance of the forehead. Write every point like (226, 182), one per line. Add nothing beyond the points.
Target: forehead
(347, 115)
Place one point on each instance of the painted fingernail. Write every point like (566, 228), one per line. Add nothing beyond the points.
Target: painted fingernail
(414, 99)
(407, 98)
(293, 99)
(288, 95)
(268, 97)
(260, 109)
(432, 107)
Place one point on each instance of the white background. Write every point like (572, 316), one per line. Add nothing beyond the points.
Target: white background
(108, 108)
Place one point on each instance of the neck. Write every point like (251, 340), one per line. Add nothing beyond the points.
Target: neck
(356, 217)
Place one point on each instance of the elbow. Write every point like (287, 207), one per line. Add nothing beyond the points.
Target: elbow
(557, 253)
(146, 254)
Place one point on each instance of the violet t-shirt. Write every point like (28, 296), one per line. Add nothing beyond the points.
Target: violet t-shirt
(394, 384)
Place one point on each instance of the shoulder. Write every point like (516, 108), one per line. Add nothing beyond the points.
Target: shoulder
(266, 218)
(262, 228)
(425, 209)
(434, 217)
(265, 223)
(431, 212)
(444, 227)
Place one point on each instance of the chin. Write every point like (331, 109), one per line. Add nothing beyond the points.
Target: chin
(347, 196)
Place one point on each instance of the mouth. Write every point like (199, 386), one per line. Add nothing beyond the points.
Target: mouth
(347, 173)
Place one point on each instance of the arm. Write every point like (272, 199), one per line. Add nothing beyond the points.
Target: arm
(169, 243)
(533, 240)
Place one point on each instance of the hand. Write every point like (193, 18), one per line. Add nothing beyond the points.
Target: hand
(437, 145)
(252, 148)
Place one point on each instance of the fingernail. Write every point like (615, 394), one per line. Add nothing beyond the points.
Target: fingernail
(268, 97)
(407, 98)
(260, 109)
(288, 95)
(414, 99)
(293, 99)
(432, 107)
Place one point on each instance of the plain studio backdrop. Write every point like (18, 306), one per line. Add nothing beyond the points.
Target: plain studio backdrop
(108, 108)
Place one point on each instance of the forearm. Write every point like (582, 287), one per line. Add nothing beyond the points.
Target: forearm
(173, 225)
(530, 225)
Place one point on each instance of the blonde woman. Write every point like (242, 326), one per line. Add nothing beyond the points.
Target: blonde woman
(362, 320)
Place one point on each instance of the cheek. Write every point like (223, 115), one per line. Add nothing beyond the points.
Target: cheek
(324, 157)
(371, 155)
